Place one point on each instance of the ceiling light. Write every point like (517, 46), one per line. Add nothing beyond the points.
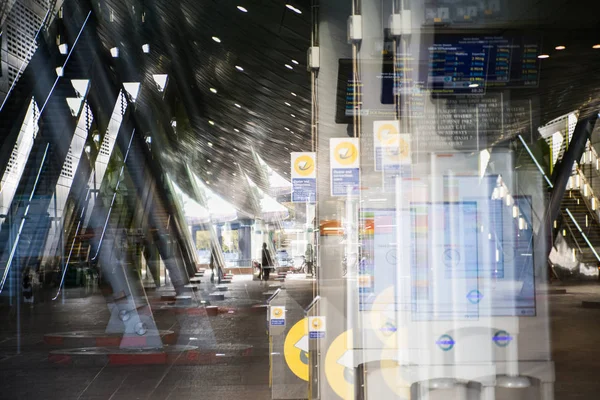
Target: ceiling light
(239, 68)
(237, 105)
(212, 89)
(60, 71)
(146, 48)
(543, 56)
(473, 85)
(560, 47)
(294, 9)
(234, 149)
(63, 48)
(236, 129)
(209, 161)
(216, 39)
(209, 144)
(207, 182)
(242, 9)
(286, 128)
(596, 46)
(295, 62)
(288, 66)
(287, 104)
(114, 52)
(294, 94)
(293, 116)
(211, 122)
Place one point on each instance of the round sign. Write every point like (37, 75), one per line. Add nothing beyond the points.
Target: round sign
(295, 349)
(304, 165)
(387, 134)
(502, 338)
(451, 258)
(316, 323)
(277, 312)
(345, 153)
(340, 378)
(445, 342)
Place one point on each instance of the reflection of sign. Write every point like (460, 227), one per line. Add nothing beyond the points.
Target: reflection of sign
(304, 177)
(391, 256)
(451, 257)
(474, 296)
(316, 327)
(445, 342)
(338, 370)
(502, 339)
(391, 148)
(277, 316)
(344, 159)
(295, 349)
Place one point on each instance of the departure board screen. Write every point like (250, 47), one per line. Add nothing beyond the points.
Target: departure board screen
(472, 64)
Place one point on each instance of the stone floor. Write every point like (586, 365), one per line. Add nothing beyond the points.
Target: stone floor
(29, 374)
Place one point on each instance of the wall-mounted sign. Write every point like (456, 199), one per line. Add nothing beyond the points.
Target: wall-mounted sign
(304, 177)
(345, 171)
(277, 316)
(316, 327)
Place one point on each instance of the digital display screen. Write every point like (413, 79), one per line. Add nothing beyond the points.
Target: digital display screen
(453, 64)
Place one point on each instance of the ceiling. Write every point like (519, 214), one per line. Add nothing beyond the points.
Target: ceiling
(265, 108)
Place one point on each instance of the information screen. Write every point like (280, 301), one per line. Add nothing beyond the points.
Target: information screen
(472, 64)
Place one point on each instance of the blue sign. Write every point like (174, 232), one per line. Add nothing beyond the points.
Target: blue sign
(502, 339)
(316, 335)
(345, 181)
(278, 322)
(304, 190)
(474, 296)
(445, 342)
(388, 329)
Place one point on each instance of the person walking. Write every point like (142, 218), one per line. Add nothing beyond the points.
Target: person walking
(309, 257)
(267, 262)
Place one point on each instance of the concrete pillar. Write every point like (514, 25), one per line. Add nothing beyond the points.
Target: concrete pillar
(245, 243)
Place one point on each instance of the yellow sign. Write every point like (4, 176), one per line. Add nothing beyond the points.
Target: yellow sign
(295, 349)
(316, 323)
(304, 166)
(387, 133)
(339, 376)
(345, 153)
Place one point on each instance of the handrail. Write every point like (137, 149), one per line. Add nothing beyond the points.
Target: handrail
(312, 304)
(66, 264)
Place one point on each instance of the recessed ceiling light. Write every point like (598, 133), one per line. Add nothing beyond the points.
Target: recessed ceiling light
(211, 122)
(295, 62)
(212, 89)
(216, 39)
(294, 9)
(293, 116)
(239, 68)
(209, 144)
(473, 85)
(560, 47)
(207, 182)
(209, 161)
(236, 129)
(288, 66)
(294, 94)
(237, 105)
(242, 9)
(288, 104)
(286, 128)
(542, 56)
(596, 46)
(234, 149)
(146, 48)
